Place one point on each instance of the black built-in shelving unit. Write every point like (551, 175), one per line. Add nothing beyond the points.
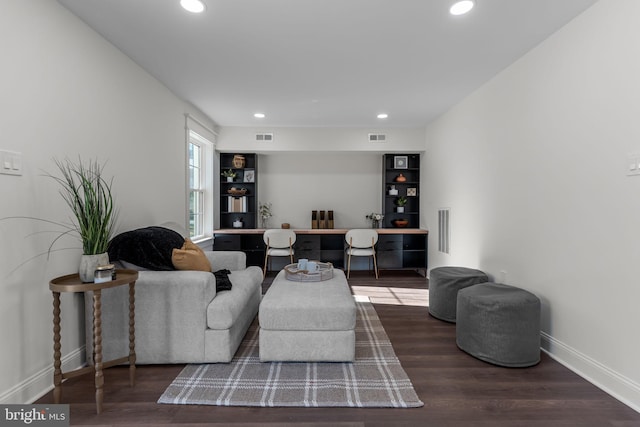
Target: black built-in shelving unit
(249, 217)
(391, 171)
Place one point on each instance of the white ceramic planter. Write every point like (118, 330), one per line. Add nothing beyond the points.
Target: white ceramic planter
(88, 264)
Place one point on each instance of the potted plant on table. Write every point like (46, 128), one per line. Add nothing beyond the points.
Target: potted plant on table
(400, 202)
(88, 194)
(376, 219)
(264, 210)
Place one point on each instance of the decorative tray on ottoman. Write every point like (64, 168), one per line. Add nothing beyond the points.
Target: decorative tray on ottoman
(325, 272)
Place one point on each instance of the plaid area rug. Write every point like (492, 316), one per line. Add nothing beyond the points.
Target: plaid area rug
(375, 379)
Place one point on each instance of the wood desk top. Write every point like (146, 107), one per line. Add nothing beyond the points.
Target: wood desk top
(321, 231)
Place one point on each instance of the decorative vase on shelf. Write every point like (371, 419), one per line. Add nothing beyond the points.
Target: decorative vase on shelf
(401, 223)
(88, 265)
(401, 178)
(238, 161)
(393, 191)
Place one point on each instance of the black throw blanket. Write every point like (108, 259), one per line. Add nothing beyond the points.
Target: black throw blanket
(222, 280)
(149, 247)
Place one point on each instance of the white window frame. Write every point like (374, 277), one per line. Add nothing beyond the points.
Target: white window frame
(204, 189)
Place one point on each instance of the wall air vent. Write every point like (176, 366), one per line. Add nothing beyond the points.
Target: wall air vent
(264, 137)
(377, 137)
(444, 230)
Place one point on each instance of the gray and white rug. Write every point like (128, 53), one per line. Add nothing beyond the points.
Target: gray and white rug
(375, 379)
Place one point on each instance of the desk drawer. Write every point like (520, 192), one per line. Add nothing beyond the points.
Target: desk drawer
(389, 243)
(226, 242)
(307, 243)
(307, 247)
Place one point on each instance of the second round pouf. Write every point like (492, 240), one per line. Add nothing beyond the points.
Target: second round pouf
(499, 324)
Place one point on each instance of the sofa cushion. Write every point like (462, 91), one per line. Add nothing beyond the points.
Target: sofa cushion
(190, 257)
(228, 306)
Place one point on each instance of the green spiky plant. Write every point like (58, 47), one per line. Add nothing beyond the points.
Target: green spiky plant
(401, 201)
(89, 196)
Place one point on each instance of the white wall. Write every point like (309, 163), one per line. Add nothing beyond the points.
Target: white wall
(66, 92)
(533, 166)
(297, 183)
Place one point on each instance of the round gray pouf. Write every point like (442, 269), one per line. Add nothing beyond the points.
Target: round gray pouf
(499, 324)
(444, 284)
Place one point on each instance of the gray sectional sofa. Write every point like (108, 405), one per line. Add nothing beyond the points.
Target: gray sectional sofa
(179, 317)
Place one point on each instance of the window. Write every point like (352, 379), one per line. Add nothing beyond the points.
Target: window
(200, 186)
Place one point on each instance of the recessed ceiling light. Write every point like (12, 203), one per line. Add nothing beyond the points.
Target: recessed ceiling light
(193, 6)
(462, 7)
(383, 115)
(259, 115)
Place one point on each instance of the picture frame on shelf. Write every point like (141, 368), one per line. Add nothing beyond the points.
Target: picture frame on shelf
(249, 175)
(412, 192)
(400, 162)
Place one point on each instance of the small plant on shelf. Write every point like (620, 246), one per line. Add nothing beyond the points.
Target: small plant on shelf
(401, 201)
(229, 174)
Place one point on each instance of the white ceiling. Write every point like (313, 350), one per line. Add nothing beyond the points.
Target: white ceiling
(324, 63)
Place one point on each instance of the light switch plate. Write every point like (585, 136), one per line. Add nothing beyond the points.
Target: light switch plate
(10, 162)
(633, 164)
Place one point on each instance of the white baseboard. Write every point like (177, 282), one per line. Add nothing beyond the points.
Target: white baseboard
(620, 387)
(40, 383)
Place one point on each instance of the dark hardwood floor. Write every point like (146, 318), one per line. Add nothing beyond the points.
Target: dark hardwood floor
(457, 389)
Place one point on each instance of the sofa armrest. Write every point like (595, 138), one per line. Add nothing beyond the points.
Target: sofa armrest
(230, 260)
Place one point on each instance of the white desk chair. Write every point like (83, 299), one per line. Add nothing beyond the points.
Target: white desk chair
(279, 243)
(362, 242)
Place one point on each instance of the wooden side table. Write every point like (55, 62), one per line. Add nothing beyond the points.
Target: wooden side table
(72, 283)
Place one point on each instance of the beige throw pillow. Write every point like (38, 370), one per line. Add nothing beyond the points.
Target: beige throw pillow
(190, 257)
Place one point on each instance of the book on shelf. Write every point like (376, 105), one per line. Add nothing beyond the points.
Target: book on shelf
(237, 204)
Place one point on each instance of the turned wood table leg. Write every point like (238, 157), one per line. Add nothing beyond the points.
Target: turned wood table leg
(97, 345)
(57, 370)
(132, 333)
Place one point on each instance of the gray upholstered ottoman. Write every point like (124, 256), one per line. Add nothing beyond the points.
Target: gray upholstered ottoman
(499, 324)
(444, 284)
(308, 321)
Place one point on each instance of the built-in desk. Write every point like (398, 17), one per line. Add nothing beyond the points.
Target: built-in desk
(397, 248)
